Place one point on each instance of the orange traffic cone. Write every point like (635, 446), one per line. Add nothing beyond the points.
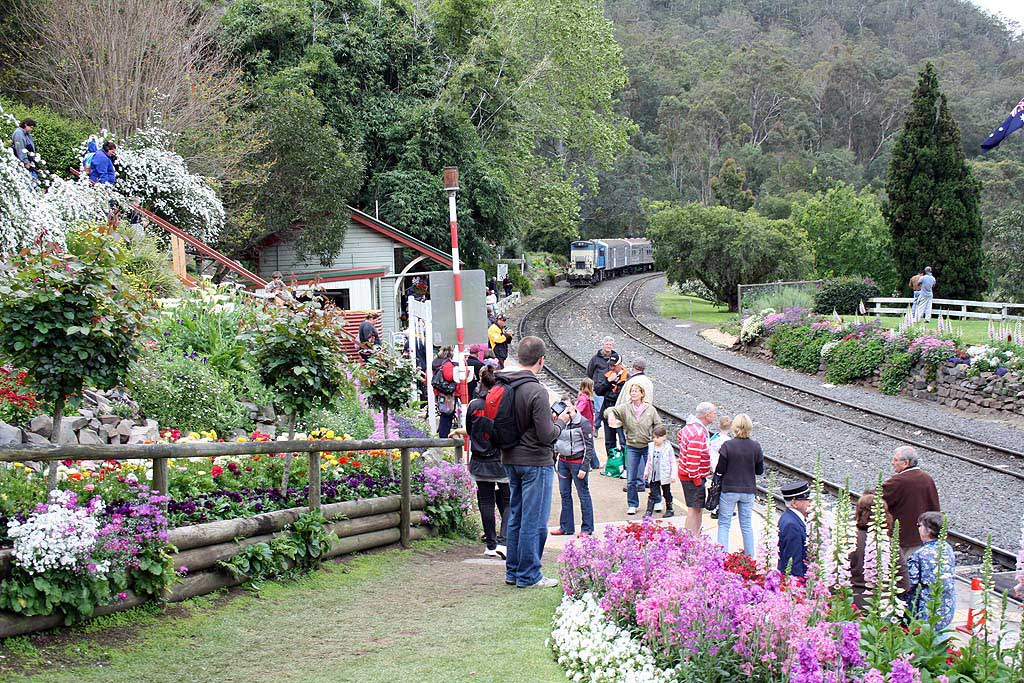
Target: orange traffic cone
(976, 613)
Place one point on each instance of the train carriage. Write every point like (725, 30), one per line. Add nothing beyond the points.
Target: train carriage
(591, 261)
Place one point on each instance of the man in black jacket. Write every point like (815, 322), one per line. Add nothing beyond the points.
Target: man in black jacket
(599, 365)
(530, 466)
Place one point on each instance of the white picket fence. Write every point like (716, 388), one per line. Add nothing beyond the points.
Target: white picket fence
(506, 304)
(949, 308)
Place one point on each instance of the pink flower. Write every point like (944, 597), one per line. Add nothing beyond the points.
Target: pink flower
(122, 596)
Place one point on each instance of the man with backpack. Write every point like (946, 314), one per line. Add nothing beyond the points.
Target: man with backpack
(525, 428)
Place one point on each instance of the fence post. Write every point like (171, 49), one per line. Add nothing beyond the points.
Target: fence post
(314, 482)
(406, 513)
(160, 483)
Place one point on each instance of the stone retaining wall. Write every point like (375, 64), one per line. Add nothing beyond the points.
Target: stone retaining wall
(987, 393)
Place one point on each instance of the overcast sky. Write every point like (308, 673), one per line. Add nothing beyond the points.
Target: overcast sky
(1009, 9)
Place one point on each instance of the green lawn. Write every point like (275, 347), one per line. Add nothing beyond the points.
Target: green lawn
(672, 304)
(974, 331)
(421, 615)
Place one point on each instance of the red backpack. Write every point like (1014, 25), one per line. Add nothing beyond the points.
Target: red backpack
(497, 421)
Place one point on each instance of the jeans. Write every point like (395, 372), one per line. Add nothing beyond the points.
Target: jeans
(913, 306)
(529, 508)
(636, 461)
(567, 477)
(611, 439)
(727, 503)
(487, 494)
(444, 425)
(598, 418)
(658, 490)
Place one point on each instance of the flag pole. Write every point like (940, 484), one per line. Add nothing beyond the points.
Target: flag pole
(451, 186)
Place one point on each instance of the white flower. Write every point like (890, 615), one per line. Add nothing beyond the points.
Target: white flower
(56, 537)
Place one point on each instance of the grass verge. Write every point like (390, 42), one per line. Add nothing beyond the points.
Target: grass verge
(422, 614)
(672, 304)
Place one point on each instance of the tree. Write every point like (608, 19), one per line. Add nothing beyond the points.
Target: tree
(1004, 251)
(848, 235)
(933, 198)
(116, 62)
(298, 355)
(68, 318)
(729, 188)
(722, 248)
(387, 382)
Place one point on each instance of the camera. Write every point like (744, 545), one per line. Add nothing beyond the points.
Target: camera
(559, 408)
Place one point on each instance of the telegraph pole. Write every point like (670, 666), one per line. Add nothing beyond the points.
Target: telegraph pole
(451, 186)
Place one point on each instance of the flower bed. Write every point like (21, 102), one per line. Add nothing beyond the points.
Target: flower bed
(652, 603)
(912, 359)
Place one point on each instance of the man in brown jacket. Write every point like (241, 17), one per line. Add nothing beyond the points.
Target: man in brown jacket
(908, 493)
(530, 465)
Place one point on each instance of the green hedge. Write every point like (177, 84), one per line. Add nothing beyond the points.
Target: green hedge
(57, 137)
(844, 295)
(798, 347)
(853, 359)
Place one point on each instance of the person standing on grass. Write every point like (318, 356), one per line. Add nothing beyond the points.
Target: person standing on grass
(486, 469)
(660, 472)
(740, 460)
(637, 418)
(915, 291)
(575, 450)
(924, 301)
(695, 462)
(530, 468)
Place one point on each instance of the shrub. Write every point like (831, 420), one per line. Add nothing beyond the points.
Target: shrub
(894, 372)
(345, 416)
(844, 295)
(182, 391)
(797, 347)
(853, 359)
(520, 282)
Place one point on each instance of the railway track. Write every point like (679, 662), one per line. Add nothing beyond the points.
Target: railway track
(562, 369)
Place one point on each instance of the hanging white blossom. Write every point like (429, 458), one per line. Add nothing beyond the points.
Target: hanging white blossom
(160, 179)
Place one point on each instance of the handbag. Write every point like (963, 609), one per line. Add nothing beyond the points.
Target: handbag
(614, 465)
(714, 494)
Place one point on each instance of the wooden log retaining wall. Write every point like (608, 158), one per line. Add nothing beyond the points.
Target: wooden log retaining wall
(360, 524)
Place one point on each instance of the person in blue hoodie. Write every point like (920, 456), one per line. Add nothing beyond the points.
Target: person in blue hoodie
(101, 168)
(90, 152)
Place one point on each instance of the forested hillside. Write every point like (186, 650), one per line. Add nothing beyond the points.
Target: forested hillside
(802, 93)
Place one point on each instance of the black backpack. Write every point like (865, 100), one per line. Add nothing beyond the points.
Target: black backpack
(442, 385)
(498, 423)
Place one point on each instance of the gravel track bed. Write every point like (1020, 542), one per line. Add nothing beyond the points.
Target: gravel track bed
(1002, 432)
(979, 502)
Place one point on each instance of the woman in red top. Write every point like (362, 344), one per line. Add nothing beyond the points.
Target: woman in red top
(585, 407)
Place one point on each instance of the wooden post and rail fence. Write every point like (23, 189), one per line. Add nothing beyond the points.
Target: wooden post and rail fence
(949, 308)
(360, 525)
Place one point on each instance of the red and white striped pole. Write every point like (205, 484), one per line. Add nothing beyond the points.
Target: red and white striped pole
(451, 186)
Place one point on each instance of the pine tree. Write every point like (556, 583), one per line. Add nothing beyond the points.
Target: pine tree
(933, 198)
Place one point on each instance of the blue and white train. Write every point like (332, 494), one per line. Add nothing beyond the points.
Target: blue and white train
(591, 261)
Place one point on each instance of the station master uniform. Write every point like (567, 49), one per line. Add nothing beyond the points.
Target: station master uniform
(793, 531)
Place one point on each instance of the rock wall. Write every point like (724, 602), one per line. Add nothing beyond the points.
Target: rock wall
(987, 393)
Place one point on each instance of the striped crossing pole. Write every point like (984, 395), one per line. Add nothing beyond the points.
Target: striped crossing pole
(451, 186)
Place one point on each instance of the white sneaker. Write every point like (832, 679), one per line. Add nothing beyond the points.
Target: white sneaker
(623, 475)
(544, 582)
(493, 553)
(659, 507)
(500, 551)
(630, 511)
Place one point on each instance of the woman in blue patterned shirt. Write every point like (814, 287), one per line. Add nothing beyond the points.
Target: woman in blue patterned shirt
(923, 568)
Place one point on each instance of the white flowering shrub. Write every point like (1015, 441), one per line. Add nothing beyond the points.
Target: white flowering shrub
(591, 647)
(59, 535)
(752, 326)
(161, 180)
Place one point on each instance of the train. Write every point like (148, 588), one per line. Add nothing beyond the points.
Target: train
(592, 261)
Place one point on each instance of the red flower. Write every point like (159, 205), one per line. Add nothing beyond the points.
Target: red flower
(233, 467)
(342, 460)
(216, 471)
(356, 463)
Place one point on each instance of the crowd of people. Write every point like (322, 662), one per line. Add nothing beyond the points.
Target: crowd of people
(716, 466)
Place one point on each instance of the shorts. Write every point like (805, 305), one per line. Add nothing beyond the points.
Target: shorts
(693, 494)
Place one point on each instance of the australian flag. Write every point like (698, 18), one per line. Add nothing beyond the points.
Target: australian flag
(1012, 123)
